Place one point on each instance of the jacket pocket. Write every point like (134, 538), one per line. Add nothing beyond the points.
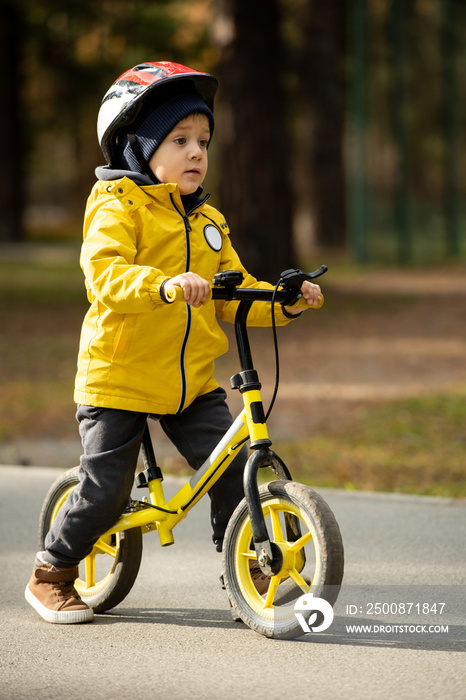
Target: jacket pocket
(122, 338)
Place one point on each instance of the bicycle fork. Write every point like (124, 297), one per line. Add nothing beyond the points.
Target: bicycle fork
(269, 555)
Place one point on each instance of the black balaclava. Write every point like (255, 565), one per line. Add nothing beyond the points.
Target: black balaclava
(138, 145)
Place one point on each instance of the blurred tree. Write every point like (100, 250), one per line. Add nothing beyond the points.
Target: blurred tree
(415, 126)
(280, 113)
(59, 59)
(76, 51)
(254, 171)
(13, 145)
(320, 64)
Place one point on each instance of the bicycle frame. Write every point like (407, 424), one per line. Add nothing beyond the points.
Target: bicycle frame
(250, 424)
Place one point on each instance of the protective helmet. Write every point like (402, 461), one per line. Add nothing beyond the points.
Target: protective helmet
(126, 97)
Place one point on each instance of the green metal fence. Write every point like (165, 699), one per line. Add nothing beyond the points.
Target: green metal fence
(406, 59)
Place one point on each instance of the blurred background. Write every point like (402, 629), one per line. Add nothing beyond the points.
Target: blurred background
(339, 139)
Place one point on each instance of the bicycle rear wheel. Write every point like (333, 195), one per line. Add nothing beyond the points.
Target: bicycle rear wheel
(107, 575)
(303, 526)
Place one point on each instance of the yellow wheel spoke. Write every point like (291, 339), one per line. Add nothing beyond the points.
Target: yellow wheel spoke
(299, 544)
(298, 579)
(274, 583)
(89, 564)
(104, 548)
(276, 525)
(249, 555)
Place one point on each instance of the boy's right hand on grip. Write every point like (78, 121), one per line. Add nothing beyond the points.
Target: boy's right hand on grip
(196, 290)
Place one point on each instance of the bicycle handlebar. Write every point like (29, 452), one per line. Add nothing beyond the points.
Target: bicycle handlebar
(227, 288)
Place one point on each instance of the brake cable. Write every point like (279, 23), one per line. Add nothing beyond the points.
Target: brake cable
(277, 357)
(287, 279)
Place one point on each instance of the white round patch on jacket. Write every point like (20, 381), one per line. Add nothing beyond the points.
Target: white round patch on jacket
(213, 237)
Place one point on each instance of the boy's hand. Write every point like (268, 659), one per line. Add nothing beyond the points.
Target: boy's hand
(196, 289)
(311, 293)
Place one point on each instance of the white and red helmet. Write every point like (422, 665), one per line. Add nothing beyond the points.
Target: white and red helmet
(126, 97)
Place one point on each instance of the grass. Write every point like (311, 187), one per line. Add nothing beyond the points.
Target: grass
(42, 305)
(415, 445)
(40, 284)
(412, 446)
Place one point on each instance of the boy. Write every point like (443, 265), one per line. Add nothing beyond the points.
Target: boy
(147, 222)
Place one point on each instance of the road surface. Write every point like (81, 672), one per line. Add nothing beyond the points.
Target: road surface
(173, 638)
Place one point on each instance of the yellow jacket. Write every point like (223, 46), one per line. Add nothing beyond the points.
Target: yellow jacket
(137, 352)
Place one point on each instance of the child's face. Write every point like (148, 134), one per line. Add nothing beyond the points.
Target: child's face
(182, 156)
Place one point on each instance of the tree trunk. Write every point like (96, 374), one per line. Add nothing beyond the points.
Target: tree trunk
(11, 191)
(254, 184)
(321, 132)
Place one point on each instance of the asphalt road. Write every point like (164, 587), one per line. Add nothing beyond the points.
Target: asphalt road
(173, 637)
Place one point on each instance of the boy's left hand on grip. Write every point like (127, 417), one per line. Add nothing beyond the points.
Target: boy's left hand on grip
(303, 304)
(312, 298)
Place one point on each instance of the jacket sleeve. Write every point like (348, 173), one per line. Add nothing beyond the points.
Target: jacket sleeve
(108, 258)
(260, 313)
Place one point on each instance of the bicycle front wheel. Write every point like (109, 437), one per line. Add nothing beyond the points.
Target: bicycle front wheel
(108, 573)
(302, 525)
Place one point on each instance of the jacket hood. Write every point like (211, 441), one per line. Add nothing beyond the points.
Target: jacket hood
(105, 172)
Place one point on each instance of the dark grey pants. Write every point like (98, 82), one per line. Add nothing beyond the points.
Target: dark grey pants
(111, 442)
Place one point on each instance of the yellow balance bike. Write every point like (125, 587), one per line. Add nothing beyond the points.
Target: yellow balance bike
(283, 525)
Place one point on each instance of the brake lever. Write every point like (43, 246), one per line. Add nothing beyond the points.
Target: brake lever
(294, 278)
(291, 280)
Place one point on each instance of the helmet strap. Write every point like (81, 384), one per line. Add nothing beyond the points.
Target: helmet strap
(144, 165)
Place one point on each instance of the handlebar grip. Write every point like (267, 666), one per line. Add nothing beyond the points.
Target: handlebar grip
(302, 303)
(172, 292)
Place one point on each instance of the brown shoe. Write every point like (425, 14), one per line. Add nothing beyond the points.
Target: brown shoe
(52, 594)
(260, 580)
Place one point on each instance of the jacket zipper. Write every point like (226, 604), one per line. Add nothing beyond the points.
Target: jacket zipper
(187, 331)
